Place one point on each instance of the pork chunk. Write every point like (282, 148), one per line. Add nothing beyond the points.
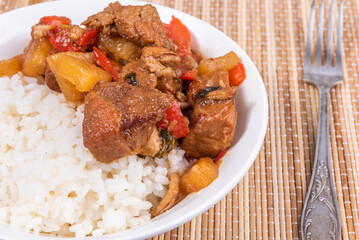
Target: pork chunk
(120, 119)
(144, 78)
(140, 24)
(212, 128)
(213, 120)
(164, 64)
(218, 79)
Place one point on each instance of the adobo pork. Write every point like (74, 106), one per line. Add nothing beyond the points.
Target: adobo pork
(214, 116)
(120, 120)
(140, 24)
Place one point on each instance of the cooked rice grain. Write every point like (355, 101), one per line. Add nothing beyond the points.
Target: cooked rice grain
(50, 183)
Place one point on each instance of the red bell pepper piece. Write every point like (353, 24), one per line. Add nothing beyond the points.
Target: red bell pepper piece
(166, 26)
(237, 75)
(62, 42)
(220, 155)
(88, 38)
(180, 35)
(59, 35)
(174, 121)
(189, 74)
(163, 124)
(102, 60)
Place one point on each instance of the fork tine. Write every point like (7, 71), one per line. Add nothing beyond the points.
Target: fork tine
(330, 35)
(318, 55)
(340, 36)
(308, 49)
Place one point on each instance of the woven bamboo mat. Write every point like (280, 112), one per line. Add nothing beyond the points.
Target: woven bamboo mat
(267, 203)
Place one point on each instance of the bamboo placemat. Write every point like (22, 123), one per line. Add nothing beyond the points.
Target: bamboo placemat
(267, 203)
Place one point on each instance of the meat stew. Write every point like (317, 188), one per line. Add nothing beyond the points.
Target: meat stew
(144, 88)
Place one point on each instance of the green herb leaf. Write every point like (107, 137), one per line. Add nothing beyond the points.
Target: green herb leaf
(131, 79)
(123, 62)
(168, 141)
(204, 92)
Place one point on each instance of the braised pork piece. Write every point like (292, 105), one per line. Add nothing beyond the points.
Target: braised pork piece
(164, 64)
(214, 116)
(120, 120)
(139, 24)
(144, 78)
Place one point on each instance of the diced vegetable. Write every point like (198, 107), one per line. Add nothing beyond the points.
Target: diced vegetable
(180, 35)
(189, 74)
(220, 155)
(170, 198)
(225, 62)
(35, 57)
(237, 75)
(174, 121)
(199, 175)
(120, 48)
(131, 79)
(204, 92)
(102, 60)
(10, 66)
(68, 89)
(62, 43)
(82, 74)
(89, 38)
(60, 38)
(87, 56)
(168, 142)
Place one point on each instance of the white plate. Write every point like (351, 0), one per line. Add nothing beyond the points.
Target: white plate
(252, 106)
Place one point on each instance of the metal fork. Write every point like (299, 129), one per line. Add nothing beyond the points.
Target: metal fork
(320, 216)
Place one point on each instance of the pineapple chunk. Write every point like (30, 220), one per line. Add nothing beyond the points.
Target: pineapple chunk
(225, 62)
(34, 64)
(10, 66)
(69, 90)
(82, 74)
(86, 56)
(199, 175)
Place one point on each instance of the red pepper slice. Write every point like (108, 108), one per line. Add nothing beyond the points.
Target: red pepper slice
(166, 26)
(189, 74)
(237, 75)
(88, 38)
(175, 122)
(102, 60)
(59, 36)
(220, 155)
(62, 42)
(163, 124)
(180, 35)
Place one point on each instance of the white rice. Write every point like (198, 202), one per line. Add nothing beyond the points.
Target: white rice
(50, 183)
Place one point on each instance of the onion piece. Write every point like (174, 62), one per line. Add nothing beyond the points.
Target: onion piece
(170, 198)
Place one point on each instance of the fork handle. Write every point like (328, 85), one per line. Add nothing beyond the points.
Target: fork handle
(320, 216)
